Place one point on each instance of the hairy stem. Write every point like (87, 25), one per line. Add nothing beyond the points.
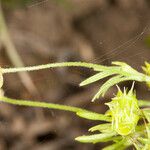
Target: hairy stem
(53, 65)
(40, 104)
(83, 113)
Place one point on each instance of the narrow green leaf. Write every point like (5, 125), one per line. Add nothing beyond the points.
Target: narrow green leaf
(93, 116)
(96, 77)
(107, 71)
(119, 63)
(112, 81)
(117, 146)
(109, 83)
(103, 137)
(104, 128)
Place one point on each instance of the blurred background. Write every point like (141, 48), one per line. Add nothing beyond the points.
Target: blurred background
(36, 32)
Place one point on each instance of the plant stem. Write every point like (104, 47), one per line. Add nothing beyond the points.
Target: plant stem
(96, 67)
(39, 104)
(83, 113)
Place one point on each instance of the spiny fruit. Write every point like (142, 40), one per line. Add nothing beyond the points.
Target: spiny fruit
(124, 111)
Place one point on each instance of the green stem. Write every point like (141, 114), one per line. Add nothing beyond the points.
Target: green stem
(40, 104)
(53, 65)
(79, 112)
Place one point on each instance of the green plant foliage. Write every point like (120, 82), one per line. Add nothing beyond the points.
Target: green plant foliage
(96, 138)
(126, 134)
(79, 112)
(120, 71)
(102, 128)
(124, 130)
(117, 146)
(120, 122)
(146, 68)
(147, 114)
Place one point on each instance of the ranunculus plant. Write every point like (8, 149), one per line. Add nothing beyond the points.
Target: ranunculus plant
(121, 120)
